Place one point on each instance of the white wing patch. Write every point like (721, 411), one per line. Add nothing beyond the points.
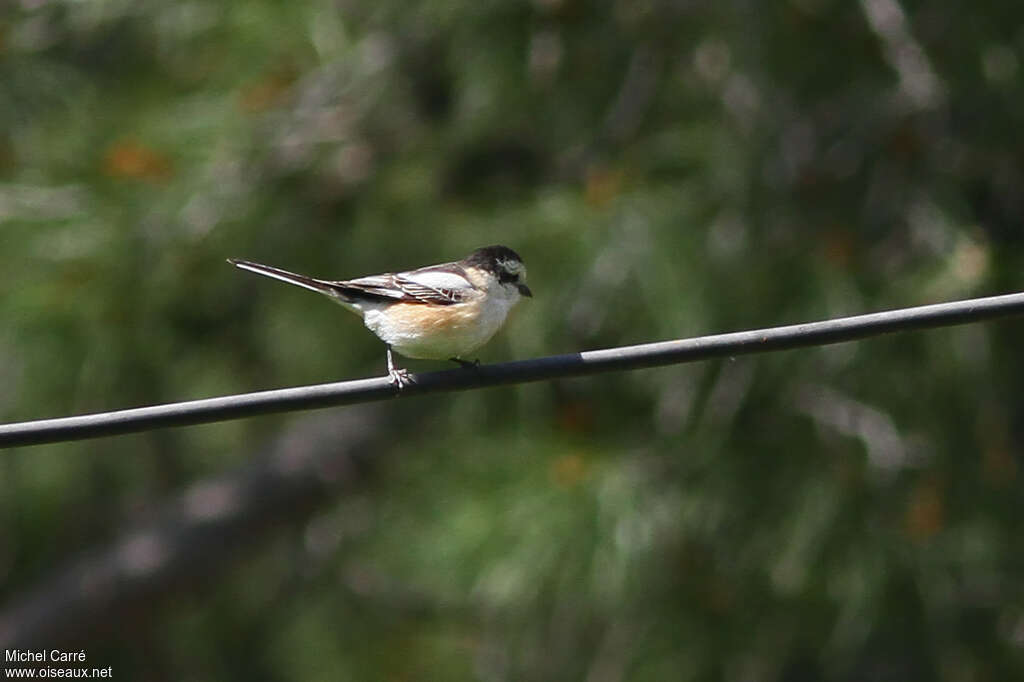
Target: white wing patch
(436, 279)
(438, 285)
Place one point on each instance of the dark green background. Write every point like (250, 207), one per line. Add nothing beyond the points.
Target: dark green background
(666, 169)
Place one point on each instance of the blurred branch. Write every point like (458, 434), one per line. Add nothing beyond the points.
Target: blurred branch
(197, 534)
(538, 369)
(830, 409)
(636, 93)
(918, 81)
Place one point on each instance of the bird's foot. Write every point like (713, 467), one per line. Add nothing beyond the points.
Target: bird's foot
(400, 378)
(466, 364)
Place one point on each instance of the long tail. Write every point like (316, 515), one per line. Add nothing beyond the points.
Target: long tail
(317, 285)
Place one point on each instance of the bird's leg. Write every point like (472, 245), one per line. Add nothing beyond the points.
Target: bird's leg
(466, 364)
(400, 378)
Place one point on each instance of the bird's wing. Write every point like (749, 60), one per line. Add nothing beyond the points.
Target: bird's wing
(444, 284)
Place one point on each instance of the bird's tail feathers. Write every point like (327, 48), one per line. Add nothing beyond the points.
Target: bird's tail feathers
(311, 283)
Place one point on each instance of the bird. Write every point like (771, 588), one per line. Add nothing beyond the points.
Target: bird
(443, 311)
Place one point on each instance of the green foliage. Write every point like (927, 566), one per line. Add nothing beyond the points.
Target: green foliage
(666, 170)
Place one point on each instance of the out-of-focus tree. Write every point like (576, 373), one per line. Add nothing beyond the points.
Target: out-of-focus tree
(666, 169)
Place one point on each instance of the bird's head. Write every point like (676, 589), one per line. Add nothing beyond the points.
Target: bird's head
(505, 265)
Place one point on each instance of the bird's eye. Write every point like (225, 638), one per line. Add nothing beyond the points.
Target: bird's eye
(505, 277)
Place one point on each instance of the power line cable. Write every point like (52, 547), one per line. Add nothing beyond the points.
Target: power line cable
(537, 369)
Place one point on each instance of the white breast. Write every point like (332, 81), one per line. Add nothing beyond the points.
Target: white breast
(438, 332)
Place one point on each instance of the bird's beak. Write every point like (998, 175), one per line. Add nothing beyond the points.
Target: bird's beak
(525, 290)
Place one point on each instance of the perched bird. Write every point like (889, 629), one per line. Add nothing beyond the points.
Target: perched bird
(435, 312)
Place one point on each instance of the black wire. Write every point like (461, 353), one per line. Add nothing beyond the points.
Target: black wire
(552, 367)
